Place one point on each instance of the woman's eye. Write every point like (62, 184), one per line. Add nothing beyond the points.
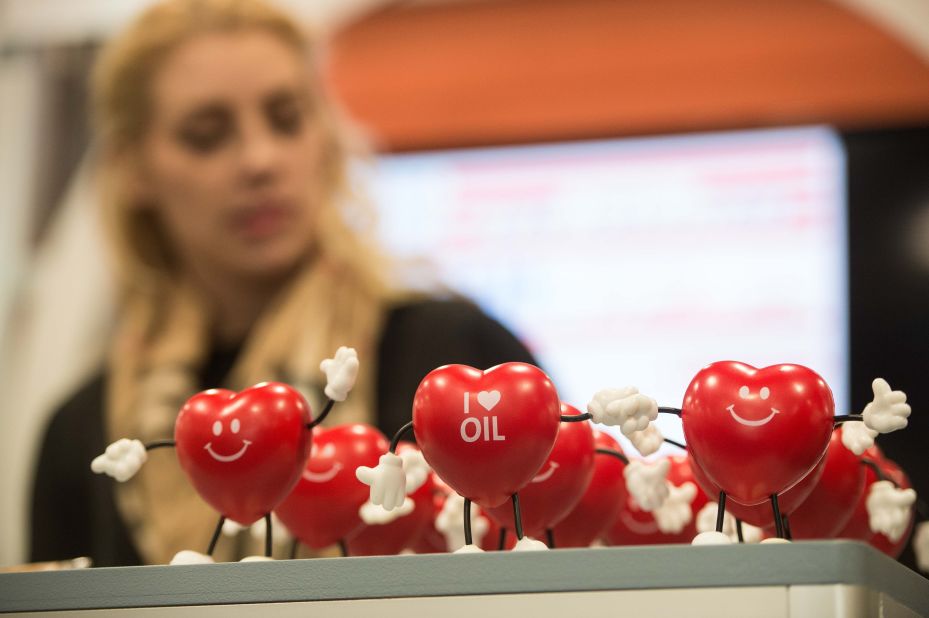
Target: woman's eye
(285, 116)
(206, 131)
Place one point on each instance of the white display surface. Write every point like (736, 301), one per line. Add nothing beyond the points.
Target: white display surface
(639, 261)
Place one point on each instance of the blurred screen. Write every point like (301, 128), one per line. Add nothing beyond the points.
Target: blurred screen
(639, 261)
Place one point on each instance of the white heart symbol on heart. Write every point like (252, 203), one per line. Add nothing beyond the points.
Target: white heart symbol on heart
(488, 399)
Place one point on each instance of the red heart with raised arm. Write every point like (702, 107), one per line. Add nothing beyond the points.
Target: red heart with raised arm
(633, 526)
(486, 433)
(243, 452)
(757, 432)
(831, 503)
(323, 508)
(558, 486)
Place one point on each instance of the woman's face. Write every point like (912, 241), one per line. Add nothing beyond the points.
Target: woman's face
(230, 155)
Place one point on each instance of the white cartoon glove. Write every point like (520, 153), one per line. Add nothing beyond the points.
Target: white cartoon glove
(889, 509)
(341, 372)
(625, 407)
(376, 515)
(857, 437)
(889, 409)
(121, 460)
(450, 522)
(387, 481)
(648, 440)
(676, 513)
(921, 546)
(417, 470)
(647, 483)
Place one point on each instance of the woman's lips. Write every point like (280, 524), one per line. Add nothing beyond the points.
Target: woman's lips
(261, 222)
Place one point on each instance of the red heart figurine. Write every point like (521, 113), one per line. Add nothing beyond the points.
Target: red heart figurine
(600, 505)
(243, 452)
(558, 486)
(486, 433)
(323, 507)
(757, 432)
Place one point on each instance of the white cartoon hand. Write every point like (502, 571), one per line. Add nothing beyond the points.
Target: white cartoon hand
(676, 513)
(341, 372)
(121, 460)
(646, 483)
(889, 509)
(387, 481)
(857, 437)
(450, 522)
(376, 515)
(417, 470)
(625, 407)
(889, 409)
(648, 440)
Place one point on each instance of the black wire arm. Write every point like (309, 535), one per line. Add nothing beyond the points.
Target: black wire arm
(845, 418)
(399, 436)
(160, 444)
(881, 476)
(322, 415)
(675, 443)
(575, 418)
(612, 453)
(674, 411)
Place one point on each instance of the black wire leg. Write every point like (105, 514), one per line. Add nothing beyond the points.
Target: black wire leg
(720, 511)
(268, 537)
(778, 520)
(219, 528)
(517, 518)
(467, 522)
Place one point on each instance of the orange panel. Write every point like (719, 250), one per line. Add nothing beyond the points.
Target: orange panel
(468, 73)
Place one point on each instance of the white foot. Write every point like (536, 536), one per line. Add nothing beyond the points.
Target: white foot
(711, 538)
(775, 540)
(527, 544)
(469, 549)
(187, 556)
(256, 559)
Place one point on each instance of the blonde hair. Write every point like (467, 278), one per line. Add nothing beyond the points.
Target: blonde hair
(339, 298)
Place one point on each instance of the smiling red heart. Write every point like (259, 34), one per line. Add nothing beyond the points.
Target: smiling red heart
(244, 452)
(323, 507)
(757, 432)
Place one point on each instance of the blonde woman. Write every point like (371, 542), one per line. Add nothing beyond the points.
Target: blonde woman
(224, 178)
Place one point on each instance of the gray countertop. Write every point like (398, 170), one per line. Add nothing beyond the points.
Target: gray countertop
(563, 570)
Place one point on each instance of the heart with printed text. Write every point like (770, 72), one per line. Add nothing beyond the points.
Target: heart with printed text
(323, 507)
(486, 433)
(244, 452)
(757, 432)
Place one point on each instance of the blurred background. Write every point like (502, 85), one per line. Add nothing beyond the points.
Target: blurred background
(636, 188)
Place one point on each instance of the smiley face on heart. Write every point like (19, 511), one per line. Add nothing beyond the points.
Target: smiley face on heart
(244, 452)
(323, 508)
(757, 432)
(486, 433)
